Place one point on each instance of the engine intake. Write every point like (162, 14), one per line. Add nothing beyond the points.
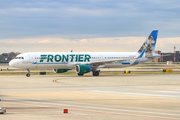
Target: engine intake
(81, 69)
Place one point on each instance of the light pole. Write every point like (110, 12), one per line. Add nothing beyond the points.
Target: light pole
(174, 54)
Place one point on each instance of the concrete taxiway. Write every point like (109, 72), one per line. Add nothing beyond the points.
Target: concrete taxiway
(125, 97)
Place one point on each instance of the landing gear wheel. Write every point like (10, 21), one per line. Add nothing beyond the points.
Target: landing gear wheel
(95, 73)
(80, 74)
(27, 75)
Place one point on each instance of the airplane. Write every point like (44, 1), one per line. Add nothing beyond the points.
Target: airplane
(85, 62)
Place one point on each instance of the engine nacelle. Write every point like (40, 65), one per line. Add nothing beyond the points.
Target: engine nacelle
(60, 70)
(81, 69)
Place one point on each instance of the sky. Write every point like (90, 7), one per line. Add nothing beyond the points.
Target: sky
(87, 25)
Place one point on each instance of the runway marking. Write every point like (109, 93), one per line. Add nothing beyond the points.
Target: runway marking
(140, 94)
(172, 91)
(102, 112)
(95, 111)
(57, 81)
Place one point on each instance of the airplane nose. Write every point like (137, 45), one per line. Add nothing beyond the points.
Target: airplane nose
(11, 63)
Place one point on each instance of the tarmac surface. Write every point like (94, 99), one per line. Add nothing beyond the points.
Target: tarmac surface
(106, 97)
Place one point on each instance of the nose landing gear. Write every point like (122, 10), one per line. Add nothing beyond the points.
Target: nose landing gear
(28, 74)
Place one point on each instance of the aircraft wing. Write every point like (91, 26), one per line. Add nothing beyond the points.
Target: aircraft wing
(166, 55)
(116, 60)
(158, 56)
(107, 61)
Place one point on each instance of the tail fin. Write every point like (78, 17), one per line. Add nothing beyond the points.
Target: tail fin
(149, 44)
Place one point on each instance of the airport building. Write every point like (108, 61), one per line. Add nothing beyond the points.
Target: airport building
(175, 57)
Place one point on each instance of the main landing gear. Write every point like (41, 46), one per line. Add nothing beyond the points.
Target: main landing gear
(80, 74)
(28, 74)
(96, 73)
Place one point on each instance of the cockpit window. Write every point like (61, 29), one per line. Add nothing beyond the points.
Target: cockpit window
(19, 58)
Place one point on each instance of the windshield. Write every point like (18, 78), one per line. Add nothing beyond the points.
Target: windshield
(19, 58)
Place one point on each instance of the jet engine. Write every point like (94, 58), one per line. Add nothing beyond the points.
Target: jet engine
(60, 70)
(81, 69)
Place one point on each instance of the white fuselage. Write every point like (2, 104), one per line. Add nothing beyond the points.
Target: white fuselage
(68, 60)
